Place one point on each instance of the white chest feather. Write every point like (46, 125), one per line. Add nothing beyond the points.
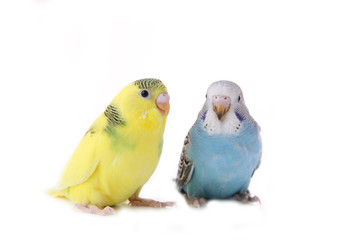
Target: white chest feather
(229, 125)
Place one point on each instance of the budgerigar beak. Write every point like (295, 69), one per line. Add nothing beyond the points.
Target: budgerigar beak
(221, 105)
(162, 102)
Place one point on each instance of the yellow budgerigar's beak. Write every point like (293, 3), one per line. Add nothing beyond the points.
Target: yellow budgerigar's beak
(162, 102)
(221, 105)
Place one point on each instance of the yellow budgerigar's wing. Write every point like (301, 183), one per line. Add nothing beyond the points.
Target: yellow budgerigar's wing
(83, 162)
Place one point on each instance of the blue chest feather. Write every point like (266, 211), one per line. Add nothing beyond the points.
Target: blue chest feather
(223, 163)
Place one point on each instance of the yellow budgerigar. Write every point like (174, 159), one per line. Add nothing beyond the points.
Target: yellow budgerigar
(119, 152)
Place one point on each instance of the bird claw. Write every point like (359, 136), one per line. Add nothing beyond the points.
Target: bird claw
(142, 202)
(92, 209)
(246, 197)
(195, 202)
(198, 203)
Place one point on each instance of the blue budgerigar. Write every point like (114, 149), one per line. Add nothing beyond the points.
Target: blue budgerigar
(222, 150)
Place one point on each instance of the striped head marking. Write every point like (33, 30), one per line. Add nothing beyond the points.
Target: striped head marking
(150, 83)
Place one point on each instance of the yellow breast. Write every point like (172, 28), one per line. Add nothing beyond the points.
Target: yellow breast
(126, 170)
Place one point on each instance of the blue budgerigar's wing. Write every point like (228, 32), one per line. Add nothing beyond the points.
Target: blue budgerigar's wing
(186, 167)
(260, 154)
(257, 166)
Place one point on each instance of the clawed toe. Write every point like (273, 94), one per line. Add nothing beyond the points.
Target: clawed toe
(254, 199)
(195, 202)
(246, 197)
(109, 210)
(198, 203)
(92, 209)
(141, 202)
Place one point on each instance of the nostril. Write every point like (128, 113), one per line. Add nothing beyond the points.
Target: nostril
(163, 97)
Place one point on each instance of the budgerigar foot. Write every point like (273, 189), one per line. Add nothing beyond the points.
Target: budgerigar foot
(95, 210)
(195, 202)
(142, 202)
(246, 197)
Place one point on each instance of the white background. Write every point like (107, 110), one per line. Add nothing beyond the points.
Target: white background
(298, 63)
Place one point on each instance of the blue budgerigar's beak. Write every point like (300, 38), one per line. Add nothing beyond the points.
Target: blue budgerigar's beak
(221, 105)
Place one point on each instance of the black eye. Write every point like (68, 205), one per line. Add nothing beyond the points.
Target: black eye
(239, 99)
(144, 93)
(206, 96)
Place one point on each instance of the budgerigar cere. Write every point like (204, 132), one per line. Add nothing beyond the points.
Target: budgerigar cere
(119, 152)
(222, 150)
